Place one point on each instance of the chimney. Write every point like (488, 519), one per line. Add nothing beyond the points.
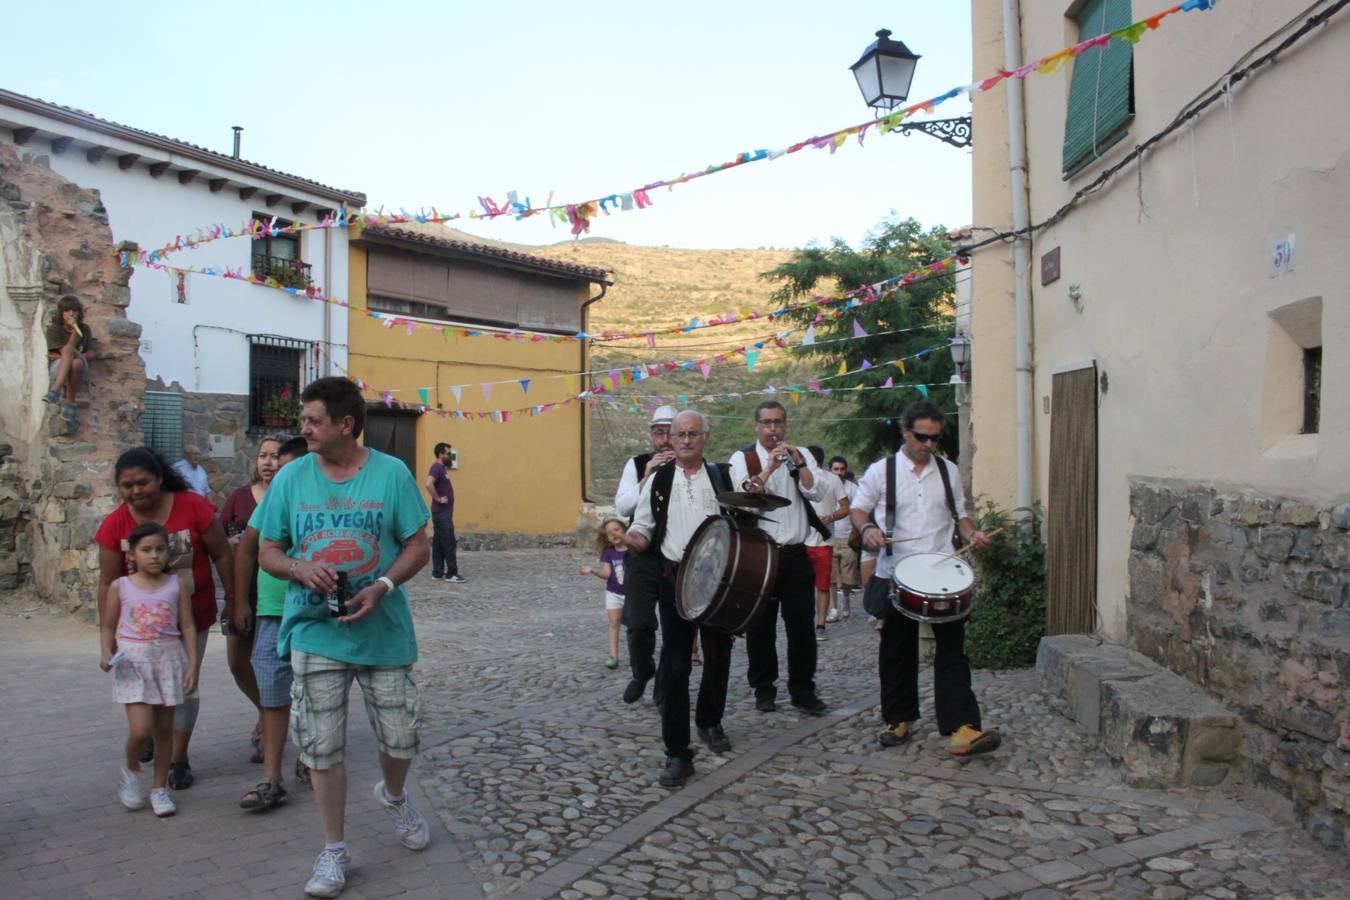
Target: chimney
(237, 130)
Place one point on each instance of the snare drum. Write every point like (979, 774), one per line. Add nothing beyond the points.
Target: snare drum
(933, 587)
(727, 569)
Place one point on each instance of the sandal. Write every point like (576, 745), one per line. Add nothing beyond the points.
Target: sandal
(180, 776)
(263, 797)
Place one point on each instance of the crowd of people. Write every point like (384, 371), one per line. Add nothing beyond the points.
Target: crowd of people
(311, 557)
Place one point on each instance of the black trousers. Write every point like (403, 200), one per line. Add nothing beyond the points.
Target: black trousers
(641, 577)
(443, 559)
(898, 666)
(794, 598)
(677, 643)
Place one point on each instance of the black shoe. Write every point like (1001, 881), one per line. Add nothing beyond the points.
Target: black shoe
(715, 738)
(810, 704)
(764, 703)
(678, 770)
(180, 776)
(636, 688)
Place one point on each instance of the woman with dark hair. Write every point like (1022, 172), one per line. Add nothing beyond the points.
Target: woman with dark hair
(67, 341)
(153, 492)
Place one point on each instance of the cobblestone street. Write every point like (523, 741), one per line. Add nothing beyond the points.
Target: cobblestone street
(543, 783)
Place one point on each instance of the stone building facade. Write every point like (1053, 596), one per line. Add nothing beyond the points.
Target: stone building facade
(56, 482)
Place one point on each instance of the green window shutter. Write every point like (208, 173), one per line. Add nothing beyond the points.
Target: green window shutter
(1101, 92)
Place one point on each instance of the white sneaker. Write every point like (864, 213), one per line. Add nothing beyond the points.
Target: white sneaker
(131, 791)
(832, 615)
(456, 579)
(409, 825)
(161, 803)
(330, 873)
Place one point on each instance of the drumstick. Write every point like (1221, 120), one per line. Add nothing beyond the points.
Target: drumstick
(899, 540)
(969, 547)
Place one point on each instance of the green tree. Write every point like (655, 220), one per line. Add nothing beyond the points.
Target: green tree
(921, 313)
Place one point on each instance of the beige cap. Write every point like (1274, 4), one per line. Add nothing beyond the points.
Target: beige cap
(664, 415)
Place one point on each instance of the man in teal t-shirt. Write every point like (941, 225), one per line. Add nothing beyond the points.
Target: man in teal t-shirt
(345, 526)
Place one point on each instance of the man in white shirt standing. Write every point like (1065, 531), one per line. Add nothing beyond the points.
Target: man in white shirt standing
(830, 508)
(641, 570)
(193, 473)
(845, 568)
(674, 502)
(922, 517)
(773, 466)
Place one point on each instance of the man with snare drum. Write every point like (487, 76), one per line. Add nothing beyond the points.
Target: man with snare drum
(922, 510)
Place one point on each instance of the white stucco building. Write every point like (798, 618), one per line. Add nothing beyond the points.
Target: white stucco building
(224, 346)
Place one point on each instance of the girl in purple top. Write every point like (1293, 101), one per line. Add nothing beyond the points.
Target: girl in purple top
(149, 642)
(610, 542)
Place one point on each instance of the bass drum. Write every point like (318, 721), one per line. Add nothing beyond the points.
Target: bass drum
(727, 569)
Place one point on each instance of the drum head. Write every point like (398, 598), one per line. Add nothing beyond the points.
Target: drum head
(933, 574)
(704, 566)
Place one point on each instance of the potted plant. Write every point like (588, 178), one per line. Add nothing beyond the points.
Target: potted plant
(281, 410)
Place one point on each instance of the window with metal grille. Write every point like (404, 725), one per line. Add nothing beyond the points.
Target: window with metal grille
(278, 370)
(278, 256)
(162, 424)
(1101, 91)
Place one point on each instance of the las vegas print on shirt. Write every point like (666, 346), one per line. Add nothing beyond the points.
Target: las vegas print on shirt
(343, 533)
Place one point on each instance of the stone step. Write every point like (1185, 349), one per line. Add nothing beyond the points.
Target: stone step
(1162, 730)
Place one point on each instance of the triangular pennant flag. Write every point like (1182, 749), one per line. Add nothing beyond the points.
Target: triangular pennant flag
(456, 390)
(890, 382)
(843, 367)
(409, 329)
(705, 369)
(487, 391)
(922, 389)
(524, 385)
(750, 359)
(388, 399)
(426, 399)
(866, 365)
(858, 330)
(810, 337)
(900, 364)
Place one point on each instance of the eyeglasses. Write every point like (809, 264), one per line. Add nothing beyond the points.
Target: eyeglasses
(926, 438)
(687, 435)
(771, 423)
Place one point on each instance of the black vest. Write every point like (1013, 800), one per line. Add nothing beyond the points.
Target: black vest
(719, 475)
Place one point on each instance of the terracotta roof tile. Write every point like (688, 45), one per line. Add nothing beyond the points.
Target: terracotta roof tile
(590, 273)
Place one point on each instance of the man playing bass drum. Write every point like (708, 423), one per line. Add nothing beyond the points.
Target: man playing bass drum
(922, 510)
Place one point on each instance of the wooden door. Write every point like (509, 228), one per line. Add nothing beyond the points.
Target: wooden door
(393, 431)
(1071, 516)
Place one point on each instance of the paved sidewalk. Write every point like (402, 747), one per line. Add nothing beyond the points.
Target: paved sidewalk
(64, 834)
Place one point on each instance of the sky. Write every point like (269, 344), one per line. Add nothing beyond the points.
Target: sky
(436, 104)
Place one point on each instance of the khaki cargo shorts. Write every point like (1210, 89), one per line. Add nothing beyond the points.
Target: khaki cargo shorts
(319, 708)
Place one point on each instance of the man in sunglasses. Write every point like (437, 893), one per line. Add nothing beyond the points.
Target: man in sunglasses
(924, 505)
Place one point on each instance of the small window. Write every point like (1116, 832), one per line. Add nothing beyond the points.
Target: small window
(1101, 91)
(1312, 388)
(278, 370)
(406, 308)
(162, 424)
(278, 256)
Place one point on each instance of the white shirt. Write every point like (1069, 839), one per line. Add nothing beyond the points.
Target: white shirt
(788, 525)
(831, 492)
(844, 527)
(196, 478)
(630, 486)
(692, 500)
(920, 507)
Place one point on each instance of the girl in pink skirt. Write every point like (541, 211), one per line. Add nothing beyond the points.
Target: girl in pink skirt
(149, 643)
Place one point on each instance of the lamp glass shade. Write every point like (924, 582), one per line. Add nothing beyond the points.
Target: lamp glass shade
(884, 72)
(960, 348)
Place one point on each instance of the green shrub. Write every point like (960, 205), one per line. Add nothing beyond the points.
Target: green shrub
(1008, 620)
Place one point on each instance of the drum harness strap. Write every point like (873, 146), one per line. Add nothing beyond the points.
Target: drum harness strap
(753, 468)
(957, 541)
(662, 481)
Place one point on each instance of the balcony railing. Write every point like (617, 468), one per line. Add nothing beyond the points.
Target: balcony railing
(288, 272)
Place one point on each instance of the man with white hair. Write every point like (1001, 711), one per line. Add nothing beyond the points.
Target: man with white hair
(193, 473)
(674, 502)
(641, 570)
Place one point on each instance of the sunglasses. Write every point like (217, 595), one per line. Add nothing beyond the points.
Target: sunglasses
(926, 438)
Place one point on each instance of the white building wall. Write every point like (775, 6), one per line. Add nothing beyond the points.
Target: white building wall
(201, 344)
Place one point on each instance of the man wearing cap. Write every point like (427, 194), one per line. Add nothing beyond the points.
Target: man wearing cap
(642, 570)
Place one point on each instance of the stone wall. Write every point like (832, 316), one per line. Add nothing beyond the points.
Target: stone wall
(1249, 596)
(56, 482)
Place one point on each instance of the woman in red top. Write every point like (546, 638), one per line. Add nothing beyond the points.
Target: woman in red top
(152, 492)
(234, 516)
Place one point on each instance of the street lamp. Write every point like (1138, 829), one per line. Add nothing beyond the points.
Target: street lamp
(884, 73)
(960, 348)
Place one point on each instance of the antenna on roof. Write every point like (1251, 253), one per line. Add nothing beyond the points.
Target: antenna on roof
(238, 129)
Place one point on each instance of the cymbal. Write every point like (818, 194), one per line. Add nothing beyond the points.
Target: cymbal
(752, 502)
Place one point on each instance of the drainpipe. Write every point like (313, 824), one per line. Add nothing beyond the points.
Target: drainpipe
(1021, 218)
(328, 289)
(585, 411)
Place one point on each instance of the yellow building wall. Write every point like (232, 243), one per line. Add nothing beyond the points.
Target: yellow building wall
(521, 476)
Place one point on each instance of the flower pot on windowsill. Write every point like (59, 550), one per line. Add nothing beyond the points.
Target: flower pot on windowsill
(274, 421)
